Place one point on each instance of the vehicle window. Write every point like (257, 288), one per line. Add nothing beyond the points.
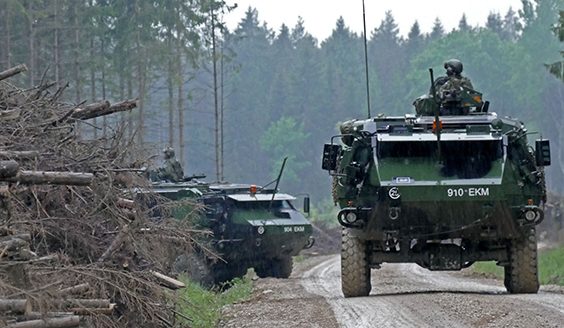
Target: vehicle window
(264, 205)
(467, 159)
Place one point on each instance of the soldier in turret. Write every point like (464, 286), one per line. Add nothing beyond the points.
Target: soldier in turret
(172, 169)
(449, 89)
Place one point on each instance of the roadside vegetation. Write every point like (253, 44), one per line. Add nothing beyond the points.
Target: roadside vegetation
(203, 306)
(551, 267)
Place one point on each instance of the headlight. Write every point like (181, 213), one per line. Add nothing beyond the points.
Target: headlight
(530, 215)
(350, 217)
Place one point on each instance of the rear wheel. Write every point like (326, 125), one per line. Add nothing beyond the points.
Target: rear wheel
(225, 272)
(521, 275)
(277, 268)
(355, 271)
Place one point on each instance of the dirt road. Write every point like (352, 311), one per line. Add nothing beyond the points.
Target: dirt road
(403, 295)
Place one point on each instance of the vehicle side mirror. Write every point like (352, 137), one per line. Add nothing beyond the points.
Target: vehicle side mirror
(306, 205)
(330, 154)
(542, 152)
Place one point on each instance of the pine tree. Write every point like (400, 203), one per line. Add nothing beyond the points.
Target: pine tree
(414, 43)
(437, 31)
(495, 24)
(511, 26)
(463, 24)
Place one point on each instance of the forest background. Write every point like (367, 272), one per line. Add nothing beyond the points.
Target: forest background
(275, 93)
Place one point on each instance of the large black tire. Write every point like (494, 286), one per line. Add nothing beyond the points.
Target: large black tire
(226, 272)
(355, 271)
(277, 268)
(194, 266)
(521, 275)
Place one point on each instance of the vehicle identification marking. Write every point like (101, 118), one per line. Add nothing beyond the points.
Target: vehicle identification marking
(403, 180)
(394, 193)
(471, 192)
(294, 229)
(260, 230)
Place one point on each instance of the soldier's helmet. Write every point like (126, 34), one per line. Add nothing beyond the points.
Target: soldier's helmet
(453, 66)
(169, 152)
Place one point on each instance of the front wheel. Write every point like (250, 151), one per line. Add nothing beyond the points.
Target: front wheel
(521, 275)
(195, 267)
(355, 271)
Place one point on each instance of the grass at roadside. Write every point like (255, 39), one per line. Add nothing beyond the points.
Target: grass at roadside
(551, 267)
(204, 306)
(489, 269)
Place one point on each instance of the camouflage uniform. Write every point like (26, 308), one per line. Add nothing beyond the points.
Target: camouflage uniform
(449, 89)
(172, 169)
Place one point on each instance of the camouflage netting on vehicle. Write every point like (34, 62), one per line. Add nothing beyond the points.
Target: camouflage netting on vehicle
(74, 237)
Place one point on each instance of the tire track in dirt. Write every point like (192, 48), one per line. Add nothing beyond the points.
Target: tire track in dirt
(406, 295)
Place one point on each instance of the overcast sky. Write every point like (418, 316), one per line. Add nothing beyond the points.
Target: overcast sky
(320, 16)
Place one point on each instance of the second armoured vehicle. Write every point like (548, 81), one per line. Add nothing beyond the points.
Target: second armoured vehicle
(252, 227)
(442, 191)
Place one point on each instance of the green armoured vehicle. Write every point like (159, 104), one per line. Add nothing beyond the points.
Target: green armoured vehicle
(252, 227)
(440, 191)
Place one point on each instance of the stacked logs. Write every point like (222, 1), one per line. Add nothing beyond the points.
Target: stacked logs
(74, 247)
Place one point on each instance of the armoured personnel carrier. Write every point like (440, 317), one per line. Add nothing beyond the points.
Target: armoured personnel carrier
(253, 227)
(440, 191)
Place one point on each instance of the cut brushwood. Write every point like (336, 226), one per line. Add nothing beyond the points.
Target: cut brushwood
(78, 289)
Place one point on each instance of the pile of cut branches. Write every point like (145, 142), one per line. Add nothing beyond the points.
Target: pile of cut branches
(77, 245)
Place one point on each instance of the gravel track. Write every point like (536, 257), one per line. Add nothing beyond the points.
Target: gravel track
(403, 295)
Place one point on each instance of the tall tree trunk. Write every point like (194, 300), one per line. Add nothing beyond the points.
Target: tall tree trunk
(129, 96)
(103, 50)
(170, 82)
(222, 85)
(141, 80)
(180, 72)
(93, 76)
(76, 55)
(56, 42)
(77, 64)
(8, 43)
(216, 107)
(93, 83)
(31, 32)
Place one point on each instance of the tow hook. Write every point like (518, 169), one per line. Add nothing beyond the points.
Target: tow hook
(394, 213)
(310, 243)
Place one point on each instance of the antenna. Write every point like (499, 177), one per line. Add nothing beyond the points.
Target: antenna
(277, 182)
(366, 59)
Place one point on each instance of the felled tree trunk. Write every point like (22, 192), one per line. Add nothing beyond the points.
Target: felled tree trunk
(15, 306)
(103, 108)
(12, 71)
(54, 178)
(71, 321)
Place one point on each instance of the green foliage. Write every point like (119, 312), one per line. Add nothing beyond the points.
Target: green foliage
(204, 306)
(281, 140)
(325, 211)
(551, 266)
